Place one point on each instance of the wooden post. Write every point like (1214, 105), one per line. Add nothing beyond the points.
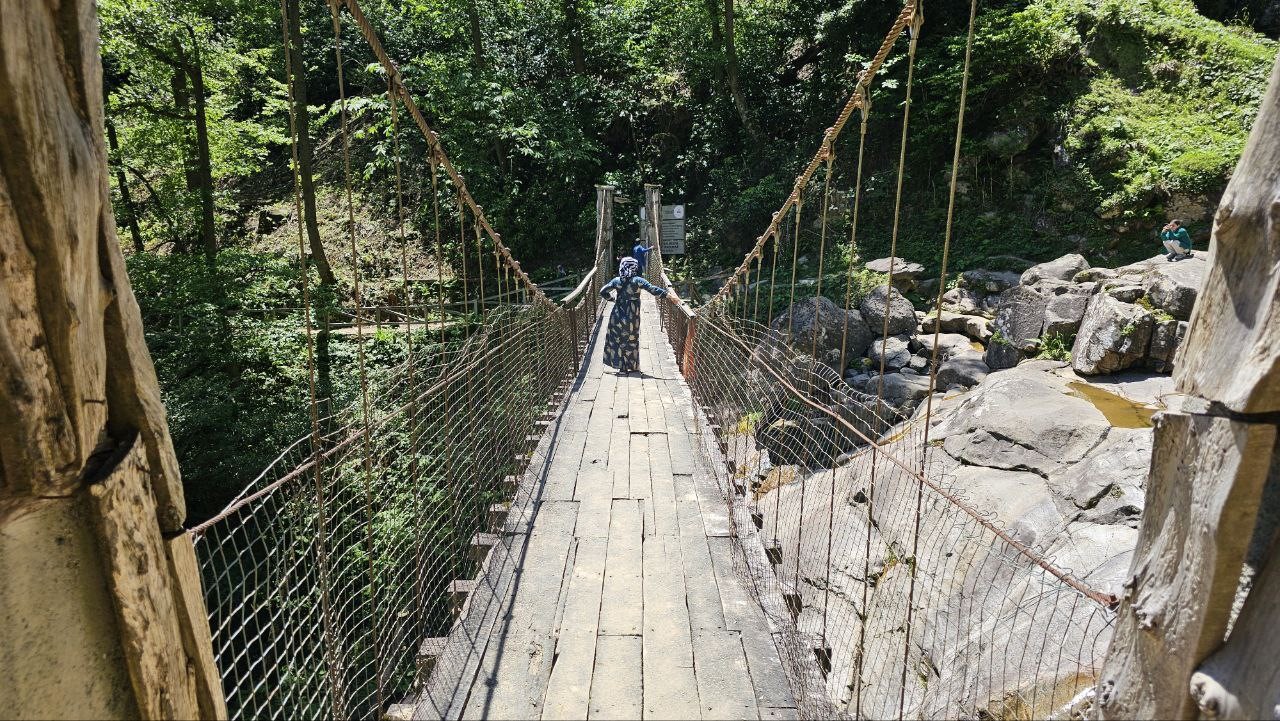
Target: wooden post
(1209, 465)
(653, 209)
(101, 612)
(604, 234)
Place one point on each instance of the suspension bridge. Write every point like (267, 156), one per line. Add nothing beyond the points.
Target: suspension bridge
(502, 528)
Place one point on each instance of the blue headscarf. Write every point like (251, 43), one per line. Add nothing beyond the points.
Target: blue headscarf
(627, 268)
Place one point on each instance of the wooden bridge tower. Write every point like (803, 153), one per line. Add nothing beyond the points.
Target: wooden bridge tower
(101, 614)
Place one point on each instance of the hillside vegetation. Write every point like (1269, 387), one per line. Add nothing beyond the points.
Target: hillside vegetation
(1089, 123)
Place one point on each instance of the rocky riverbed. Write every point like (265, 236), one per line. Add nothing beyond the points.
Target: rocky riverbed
(1052, 448)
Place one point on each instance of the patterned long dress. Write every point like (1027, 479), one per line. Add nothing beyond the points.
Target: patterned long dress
(622, 340)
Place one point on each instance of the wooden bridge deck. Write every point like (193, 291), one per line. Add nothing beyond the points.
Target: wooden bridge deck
(614, 595)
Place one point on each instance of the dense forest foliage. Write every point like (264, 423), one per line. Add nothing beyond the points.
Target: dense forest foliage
(1089, 123)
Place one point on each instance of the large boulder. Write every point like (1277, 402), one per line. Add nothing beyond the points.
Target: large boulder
(1172, 287)
(1063, 313)
(949, 344)
(1016, 326)
(893, 352)
(885, 301)
(966, 369)
(821, 318)
(905, 273)
(1023, 419)
(1165, 339)
(962, 300)
(1113, 336)
(1089, 275)
(1064, 268)
(990, 281)
(1108, 485)
(904, 391)
(974, 326)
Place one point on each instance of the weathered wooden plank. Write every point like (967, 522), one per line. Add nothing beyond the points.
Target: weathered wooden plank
(639, 482)
(670, 689)
(594, 493)
(1205, 483)
(1231, 354)
(586, 586)
(616, 685)
(620, 433)
(705, 608)
(1242, 679)
(681, 448)
(743, 613)
(724, 681)
(662, 482)
(568, 689)
(623, 580)
(712, 504)
(666, 611)
(515, 670)
(562, 472)
(124, 520)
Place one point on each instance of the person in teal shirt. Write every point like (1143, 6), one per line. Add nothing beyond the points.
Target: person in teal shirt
(1176, 240)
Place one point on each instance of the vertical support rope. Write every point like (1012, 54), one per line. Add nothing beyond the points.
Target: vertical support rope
(795, 253)
(322, 532)
(863, 108)
(435, 210)
(822, 250)
(937, 326)
(759, 281)
(917, 19)
(359, 306)
(479, 268)
(773, 274)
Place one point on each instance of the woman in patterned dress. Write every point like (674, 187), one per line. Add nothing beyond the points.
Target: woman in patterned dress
(622, 340)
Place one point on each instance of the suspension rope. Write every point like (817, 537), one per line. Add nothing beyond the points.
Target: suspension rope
(773, 274)
(359, 306)
(795, 253)
(322, 556)
(393, 72)
(877, 61)
(916, 20)
(937, 327)
(822, 251)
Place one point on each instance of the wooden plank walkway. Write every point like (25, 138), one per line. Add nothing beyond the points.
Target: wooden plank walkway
(614, 596)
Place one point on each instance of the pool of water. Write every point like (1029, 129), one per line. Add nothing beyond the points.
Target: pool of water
(1118, 410)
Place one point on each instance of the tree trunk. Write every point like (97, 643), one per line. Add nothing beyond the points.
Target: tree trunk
(573, 26)
(1209, 467)
(731, 75)
(204, 166)
(122, 182)
(477, 35)
(182, 107)
(303, 118)
(99, 604)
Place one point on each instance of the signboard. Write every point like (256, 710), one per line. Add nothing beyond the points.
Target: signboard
(671, 230)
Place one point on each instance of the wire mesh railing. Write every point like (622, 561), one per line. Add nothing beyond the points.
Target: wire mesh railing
(324, 578)
(905, 600)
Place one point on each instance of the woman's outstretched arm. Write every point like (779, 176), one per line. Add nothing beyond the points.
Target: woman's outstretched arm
(611, 285)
